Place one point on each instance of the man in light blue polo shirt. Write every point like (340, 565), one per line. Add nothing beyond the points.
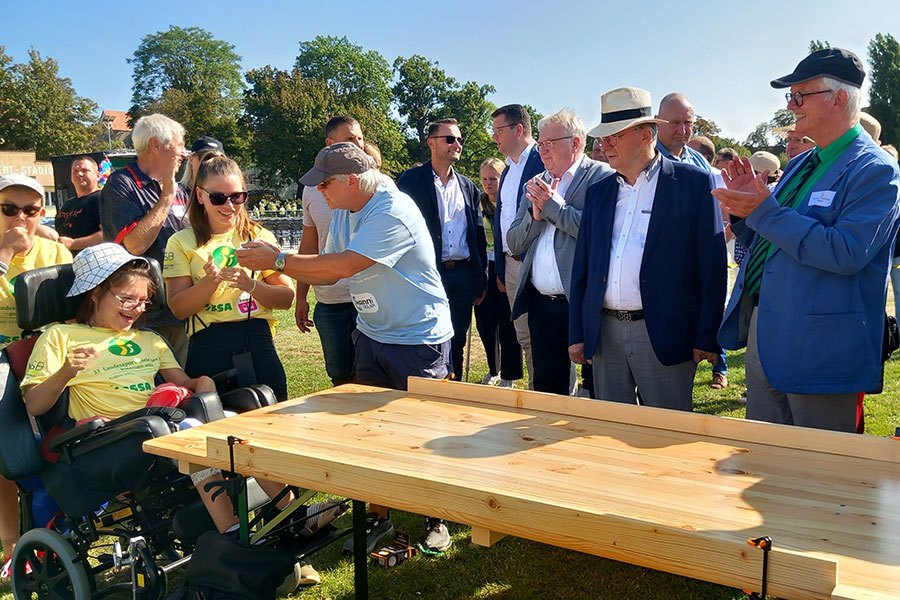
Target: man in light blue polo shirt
(378, 239)
(672, 143)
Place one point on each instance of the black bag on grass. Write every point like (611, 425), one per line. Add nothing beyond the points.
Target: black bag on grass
(222, 568)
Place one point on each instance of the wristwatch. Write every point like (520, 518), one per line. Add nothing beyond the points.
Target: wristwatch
(279, 262)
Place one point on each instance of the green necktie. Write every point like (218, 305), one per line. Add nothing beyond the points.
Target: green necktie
(763, 247)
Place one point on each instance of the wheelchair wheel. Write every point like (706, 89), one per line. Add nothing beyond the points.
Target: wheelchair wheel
(45, 566)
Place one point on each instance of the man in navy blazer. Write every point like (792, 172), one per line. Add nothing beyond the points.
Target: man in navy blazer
(512, 133)
(451, 205)
(649, 275)
(809, 299)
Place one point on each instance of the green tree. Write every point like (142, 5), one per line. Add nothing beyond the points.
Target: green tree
(469, 106)
(705, 127)
(40, 111)
(816, 45)
(360, 77)
(884, 94)
(420, 92)
(193, 78)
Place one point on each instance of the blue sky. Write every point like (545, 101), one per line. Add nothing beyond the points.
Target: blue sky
(550, 55)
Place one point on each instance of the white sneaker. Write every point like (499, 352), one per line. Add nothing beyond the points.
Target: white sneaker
(506, 383)
(490, 379)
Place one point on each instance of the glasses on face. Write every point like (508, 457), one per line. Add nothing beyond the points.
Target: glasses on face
(613, 139)
(495, 129)
(797, 97)
(11, 210)
(218, 198)
(548, 144)
(131, 303)
(448, 138)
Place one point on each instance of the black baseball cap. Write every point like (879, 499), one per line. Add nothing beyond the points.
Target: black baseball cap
(836, 63)
(207, 144)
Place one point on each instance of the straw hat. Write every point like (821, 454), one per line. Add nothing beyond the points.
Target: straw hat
(622, 108)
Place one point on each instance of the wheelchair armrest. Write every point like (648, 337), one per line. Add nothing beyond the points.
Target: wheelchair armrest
(248, 398)
(205, 407)
(75, 434)
(147, 425)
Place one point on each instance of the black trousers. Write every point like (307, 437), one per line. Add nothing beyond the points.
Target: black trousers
(548, 320)
(497, 332)
(462, 286)
(211, 349)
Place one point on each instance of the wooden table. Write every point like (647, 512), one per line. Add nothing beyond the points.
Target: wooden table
(662, 489)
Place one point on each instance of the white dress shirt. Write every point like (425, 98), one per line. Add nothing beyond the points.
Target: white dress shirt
(512, 183)
(634, 205)
(544, 269)
(452, 211)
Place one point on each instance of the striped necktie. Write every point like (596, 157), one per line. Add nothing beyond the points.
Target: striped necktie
(763, 247)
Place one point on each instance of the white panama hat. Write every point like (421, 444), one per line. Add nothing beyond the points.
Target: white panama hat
(622, 108)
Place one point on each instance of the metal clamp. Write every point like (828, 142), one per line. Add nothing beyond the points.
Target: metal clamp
(765, 544)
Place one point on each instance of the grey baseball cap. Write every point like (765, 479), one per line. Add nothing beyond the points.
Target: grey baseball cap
(337, 159)
(18, 179)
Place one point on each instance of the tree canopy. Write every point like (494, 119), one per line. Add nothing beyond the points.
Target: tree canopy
(884, 95)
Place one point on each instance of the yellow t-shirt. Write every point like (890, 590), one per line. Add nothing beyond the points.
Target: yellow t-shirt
(115, 383)
(183, 258)
(43, 253)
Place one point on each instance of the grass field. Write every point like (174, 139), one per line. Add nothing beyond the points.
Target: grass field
(516, 569)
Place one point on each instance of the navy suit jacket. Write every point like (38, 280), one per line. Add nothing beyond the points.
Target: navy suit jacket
(533, 166)
(683, 271)
(418, 184)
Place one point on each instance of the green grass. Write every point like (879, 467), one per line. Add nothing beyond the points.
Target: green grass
(516, 569)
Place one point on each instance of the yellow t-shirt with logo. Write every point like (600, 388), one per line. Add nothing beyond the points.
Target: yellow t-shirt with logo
(115, 383)
(43, 253)
(183, 258)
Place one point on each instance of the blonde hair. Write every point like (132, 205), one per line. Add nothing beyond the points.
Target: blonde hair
(218, 165)
(492, 162)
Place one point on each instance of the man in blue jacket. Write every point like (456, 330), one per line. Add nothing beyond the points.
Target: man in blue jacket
(809, 299)
(648, 279)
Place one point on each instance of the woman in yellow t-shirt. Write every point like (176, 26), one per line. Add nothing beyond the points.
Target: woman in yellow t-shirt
(230, 308)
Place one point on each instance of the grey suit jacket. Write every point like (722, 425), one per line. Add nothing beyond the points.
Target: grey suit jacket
(524, 230)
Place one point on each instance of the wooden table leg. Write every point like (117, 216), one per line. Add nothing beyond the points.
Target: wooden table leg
(360, 560)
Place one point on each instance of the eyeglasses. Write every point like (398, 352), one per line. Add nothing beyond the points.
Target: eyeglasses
(11, 210)
(218, 198)
(494, 129)
(548, 144)
(797, 97)
(130, 303)
(613, 139)
(448, 138)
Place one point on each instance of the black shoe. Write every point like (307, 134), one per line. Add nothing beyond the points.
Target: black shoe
(437, 536)
(376, 528)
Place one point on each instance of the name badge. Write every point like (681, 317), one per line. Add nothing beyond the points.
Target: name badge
(824, 198)
(365, 303)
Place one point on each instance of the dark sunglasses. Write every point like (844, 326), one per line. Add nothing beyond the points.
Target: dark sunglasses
(448, 138)
(11, 210)
(218, 198)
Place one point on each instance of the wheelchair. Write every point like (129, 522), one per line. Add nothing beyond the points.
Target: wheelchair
(123, 512)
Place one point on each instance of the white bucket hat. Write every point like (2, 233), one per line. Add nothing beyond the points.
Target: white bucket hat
(95, 264)
(622, 108)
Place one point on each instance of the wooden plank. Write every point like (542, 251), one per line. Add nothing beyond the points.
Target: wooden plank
(481, 536)
(785, 436)
(589, 484)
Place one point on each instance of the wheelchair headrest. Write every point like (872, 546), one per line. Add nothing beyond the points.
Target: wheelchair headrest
(41, 295)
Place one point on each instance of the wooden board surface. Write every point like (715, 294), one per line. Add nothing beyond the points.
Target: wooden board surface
(671, 491)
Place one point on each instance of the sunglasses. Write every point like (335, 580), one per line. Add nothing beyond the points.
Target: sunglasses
(218, 198)
(448, 138)
(11, 210)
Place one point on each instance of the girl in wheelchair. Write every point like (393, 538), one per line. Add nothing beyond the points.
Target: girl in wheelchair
(109, 366)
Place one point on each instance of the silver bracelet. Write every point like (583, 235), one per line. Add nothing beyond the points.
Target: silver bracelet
(253, 289)
(4, 268)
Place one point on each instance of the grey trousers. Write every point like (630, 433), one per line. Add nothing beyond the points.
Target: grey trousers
(523, 334)
(764, 403)
(626, 369)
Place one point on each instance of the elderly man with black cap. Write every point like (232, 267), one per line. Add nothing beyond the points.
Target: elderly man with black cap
(809, 300)
(649, 275)
(379, 240)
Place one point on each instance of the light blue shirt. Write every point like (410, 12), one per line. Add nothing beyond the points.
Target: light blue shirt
(400, 299)
(688, 156)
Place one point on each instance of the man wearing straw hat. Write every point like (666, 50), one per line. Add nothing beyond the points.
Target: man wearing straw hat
(649, 278)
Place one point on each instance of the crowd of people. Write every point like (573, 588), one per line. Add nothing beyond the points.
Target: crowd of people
(615, 260)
